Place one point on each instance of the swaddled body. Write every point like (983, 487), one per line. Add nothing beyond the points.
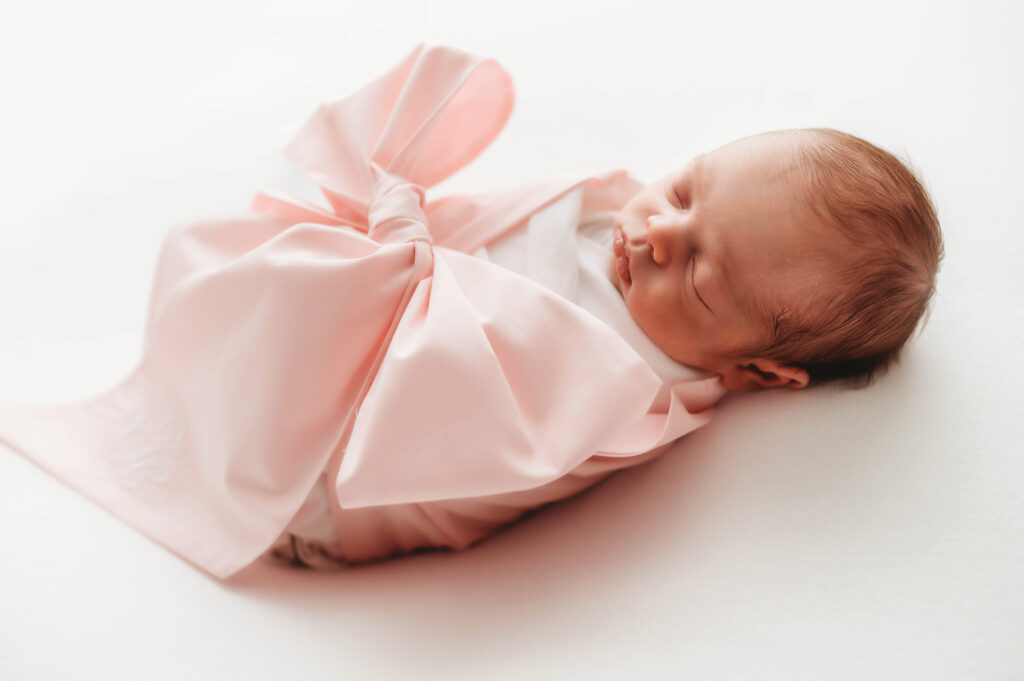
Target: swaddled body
(434, 395)
(567, 252)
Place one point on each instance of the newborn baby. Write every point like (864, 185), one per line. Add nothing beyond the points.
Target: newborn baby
(346, 382)
(784, 259)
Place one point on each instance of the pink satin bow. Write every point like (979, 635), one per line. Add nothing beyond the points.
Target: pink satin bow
(361, 338)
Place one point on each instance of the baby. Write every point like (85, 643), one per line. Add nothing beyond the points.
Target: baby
(784, 259)
(342, 383)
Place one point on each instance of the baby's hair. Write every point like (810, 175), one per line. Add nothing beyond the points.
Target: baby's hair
(884, 287)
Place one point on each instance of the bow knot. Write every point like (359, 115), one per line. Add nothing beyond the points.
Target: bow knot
(396, 209)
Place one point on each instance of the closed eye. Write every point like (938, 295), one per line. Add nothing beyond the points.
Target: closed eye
(693, 282)
(674, 198)
(679, 200)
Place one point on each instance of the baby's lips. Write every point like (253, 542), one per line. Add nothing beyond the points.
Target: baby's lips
(621, 257)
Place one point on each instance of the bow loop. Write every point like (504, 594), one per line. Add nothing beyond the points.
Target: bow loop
(421, 121)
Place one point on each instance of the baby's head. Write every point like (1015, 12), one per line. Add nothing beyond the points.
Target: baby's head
(785, 259)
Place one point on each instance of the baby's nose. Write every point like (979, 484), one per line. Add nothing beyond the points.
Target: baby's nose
(659, 238)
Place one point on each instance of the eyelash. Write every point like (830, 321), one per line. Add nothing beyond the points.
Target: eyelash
(693, 279)
(679, 197)
(674, 198)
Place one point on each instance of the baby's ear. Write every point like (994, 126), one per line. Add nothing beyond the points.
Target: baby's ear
(760, 374)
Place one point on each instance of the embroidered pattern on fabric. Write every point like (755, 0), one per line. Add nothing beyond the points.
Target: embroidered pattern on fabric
(149, 436)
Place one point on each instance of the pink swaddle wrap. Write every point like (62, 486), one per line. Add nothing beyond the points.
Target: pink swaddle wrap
(361, 340)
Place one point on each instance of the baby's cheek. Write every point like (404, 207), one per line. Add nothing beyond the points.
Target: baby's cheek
(649, 315)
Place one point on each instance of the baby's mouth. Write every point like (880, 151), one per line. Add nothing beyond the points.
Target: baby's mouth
(621, 256)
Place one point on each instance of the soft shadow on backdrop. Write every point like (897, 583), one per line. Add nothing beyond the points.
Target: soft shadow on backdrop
(824, 534)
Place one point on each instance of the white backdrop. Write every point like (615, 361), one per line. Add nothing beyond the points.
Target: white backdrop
(875, 534)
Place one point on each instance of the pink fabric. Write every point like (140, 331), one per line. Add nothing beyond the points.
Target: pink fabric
(362, 338)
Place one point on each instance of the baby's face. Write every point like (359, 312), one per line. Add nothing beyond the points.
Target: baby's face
(695, 250)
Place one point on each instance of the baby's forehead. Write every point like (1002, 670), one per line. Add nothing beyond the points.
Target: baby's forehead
(770, 159)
